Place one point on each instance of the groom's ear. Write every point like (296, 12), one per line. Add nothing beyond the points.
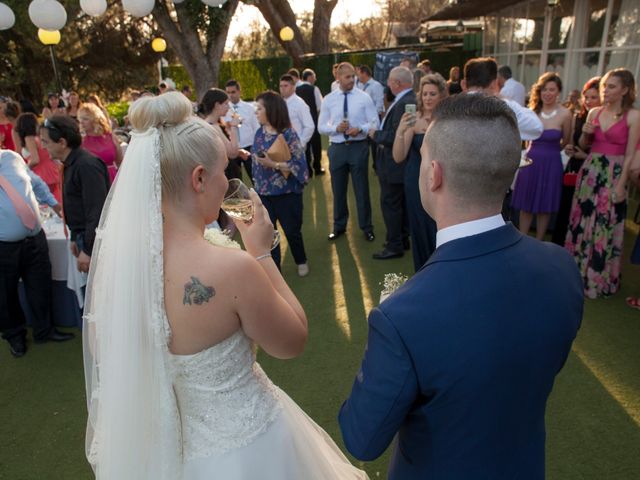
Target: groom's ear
(436, 176)
(198, 179)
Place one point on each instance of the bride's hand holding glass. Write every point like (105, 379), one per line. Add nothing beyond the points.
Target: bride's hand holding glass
(251, 218)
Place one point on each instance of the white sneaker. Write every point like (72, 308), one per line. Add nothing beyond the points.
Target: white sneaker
(303, 270)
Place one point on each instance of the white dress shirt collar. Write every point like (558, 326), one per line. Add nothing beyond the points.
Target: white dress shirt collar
(467, 229)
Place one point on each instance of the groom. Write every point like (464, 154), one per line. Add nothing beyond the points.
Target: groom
(461, 359)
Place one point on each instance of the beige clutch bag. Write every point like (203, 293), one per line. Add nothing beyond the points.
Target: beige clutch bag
(279, 150)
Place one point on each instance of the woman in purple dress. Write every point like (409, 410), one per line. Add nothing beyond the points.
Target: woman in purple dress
(538, 187)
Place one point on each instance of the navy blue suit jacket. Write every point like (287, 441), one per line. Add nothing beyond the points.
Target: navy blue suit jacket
(461, 359)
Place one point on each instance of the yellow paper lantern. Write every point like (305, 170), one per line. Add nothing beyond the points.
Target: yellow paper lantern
(159, 45)
(286, 34)
(49, 37)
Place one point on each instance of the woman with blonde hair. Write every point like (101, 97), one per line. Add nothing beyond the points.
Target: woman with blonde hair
(406, 147)
(596, 223)
(98, 137)
(538, 187)
(171, 320)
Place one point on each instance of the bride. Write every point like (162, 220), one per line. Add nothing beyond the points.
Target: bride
(173, 388)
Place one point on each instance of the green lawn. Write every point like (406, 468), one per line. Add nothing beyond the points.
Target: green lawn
(593, 419)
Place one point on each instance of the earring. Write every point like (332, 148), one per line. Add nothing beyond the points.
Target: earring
(201, 189)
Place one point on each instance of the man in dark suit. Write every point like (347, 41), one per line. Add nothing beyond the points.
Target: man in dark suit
(85, 186)
(308, 92)
(391, 174)
(461, 359)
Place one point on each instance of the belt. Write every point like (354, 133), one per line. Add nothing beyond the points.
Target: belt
(349, 142)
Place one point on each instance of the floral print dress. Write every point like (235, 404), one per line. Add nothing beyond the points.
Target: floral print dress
(596, 224)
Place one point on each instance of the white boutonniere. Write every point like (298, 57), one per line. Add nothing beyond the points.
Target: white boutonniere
(392, 282)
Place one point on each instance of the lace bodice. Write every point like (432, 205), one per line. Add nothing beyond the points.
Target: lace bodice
(224, 397)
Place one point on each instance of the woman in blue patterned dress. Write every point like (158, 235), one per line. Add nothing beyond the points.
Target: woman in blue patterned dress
(280, 184)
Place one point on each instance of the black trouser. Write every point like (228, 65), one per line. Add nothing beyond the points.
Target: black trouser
(287, 209)
(27, 259)
(344, 159)
(234, 169)
(394, 213)
(314, 153)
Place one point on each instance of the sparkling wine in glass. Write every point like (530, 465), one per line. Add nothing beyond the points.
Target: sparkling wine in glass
(237, 204)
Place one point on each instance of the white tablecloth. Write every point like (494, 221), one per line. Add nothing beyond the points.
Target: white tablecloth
(63, 263)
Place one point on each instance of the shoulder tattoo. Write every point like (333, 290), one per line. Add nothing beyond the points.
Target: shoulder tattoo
(195, 293)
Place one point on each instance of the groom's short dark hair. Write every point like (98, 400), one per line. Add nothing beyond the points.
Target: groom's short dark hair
(476, 140)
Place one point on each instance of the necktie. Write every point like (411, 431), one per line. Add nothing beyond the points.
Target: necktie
(26, 214)
(345, 113)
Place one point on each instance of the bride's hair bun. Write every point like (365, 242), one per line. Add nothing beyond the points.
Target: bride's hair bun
(166, 110)
(187, 141)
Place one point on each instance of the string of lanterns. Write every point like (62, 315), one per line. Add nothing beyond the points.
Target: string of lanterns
(50, 15)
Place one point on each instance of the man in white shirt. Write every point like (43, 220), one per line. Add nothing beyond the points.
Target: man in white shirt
(371, 87)
(481, 76)
(335, 85)
(311, 95)
(346, 116)
(247, 129)
(510, 89)
(299, 112)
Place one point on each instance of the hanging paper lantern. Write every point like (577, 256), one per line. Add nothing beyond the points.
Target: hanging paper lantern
(286, 34)
(7, 17)
(47, 14)
(48, 37)
(213, 3)
(158, 45)
(138, 8)
(95, 8)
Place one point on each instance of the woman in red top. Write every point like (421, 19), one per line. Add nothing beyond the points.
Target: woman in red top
(98, 137)
(28, 144)
(6, 138)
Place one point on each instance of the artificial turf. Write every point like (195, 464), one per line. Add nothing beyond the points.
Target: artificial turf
(593, 416)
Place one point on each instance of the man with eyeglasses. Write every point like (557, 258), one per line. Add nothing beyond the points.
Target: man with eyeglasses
(85, 184)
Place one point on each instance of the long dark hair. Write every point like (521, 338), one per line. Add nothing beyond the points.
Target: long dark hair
(26, 126)
(276, 110)
(210, 99)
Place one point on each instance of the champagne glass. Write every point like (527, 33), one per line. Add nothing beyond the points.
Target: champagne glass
(238, 204)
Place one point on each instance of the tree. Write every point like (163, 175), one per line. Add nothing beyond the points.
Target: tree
(279, 14)
(116, 58)
(197, 33)
(322, 11)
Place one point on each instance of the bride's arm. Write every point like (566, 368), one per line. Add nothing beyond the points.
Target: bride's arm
(268, 310)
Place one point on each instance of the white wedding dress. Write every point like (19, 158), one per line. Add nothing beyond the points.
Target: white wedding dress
(158, 416)
(236, 424)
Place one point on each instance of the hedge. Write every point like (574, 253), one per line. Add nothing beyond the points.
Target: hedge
(262, 74)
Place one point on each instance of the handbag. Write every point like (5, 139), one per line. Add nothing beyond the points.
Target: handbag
(279, 151)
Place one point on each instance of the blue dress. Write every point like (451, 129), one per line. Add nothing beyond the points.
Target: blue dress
(422, 227)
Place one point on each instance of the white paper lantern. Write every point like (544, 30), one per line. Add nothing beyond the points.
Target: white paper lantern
(47, 14)
(7, 17)
(138, 8)
(214, 3)
(95, 8)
